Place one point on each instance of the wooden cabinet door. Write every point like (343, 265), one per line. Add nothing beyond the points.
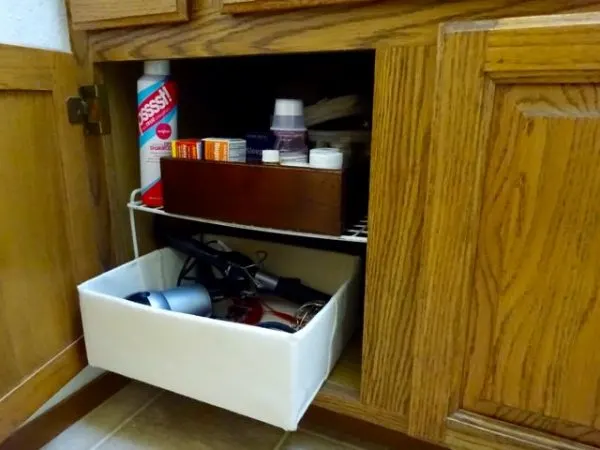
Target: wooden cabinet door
(508, 329)
(250, 6)
(402, 112)
(99, 14)
(47, 234)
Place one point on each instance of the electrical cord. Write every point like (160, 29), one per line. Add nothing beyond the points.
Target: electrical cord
(262, 257)
(276, 326)
(188, 265)
(287, 317)
(289, 290)
(306, 312)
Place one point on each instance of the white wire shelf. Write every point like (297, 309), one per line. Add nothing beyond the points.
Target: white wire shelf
(355, 233)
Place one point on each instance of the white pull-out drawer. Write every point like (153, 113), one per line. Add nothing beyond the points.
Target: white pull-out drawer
(265, 374)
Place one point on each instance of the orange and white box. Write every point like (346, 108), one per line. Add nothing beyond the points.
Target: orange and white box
(186, 148)
(223, 149)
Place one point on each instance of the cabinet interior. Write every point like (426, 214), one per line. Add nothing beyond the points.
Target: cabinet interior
(229, 97)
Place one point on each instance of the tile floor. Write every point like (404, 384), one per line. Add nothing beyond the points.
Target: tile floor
(145, 417)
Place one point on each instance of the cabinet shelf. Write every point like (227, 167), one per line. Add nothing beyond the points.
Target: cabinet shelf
(358, 232)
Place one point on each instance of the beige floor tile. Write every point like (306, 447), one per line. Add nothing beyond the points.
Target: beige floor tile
(308, 441)
(102, 421)
(179, 423)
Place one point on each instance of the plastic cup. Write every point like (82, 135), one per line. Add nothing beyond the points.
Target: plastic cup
(288, 115)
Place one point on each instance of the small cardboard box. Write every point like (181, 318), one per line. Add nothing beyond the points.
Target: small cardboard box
(222, 149)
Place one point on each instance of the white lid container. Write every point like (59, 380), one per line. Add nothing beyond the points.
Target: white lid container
(289, 107)
(288, 115)
(160, 67)
(270, 156)
(326, 158)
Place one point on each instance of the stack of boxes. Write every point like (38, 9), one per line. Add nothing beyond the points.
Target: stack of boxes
(210, 149)
(186, 148)
(230, 150)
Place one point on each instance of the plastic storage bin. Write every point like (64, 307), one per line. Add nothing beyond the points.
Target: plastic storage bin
(269, 375)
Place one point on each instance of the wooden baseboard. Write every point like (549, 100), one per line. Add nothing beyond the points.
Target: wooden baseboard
(46, 427)
(323, 421)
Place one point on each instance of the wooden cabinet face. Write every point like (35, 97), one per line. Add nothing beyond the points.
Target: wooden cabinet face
(511, 283)
(536, 272)
(48, 233)
(250, 6)
(98, 14)
(402, 109)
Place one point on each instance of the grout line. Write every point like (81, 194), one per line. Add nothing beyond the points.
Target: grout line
(281, 440)
(119, 427)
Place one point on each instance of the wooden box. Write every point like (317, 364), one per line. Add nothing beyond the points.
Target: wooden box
(299, 199)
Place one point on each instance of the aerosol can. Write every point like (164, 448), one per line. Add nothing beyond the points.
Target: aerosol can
(157, 125)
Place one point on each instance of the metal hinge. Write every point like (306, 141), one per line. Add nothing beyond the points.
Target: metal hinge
(90, 109)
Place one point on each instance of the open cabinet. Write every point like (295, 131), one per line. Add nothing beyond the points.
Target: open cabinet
(216, 101)
(372, 380)
(442, 229)
(373, 377)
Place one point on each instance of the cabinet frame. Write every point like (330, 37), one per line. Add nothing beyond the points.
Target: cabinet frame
(121, 15)
(31, 72)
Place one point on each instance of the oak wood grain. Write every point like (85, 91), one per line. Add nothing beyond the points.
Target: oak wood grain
(537, 250)
(27, 71)
(119, 157)
(341, 401)
(47, 239)
(85, 171)
(253, 6)
(538, 421)
(101, 14)
(452, 216)
(38, 320)
(542, 25)
(404, 86)
(519, 259)
(80, 172)
(210, 32)
(473, 431)
(562, 42)
(457, 440)
(92, 10)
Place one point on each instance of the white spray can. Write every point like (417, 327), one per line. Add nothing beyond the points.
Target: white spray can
(157, 125)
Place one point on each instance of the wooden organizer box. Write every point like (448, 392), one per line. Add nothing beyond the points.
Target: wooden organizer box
(292, 198)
